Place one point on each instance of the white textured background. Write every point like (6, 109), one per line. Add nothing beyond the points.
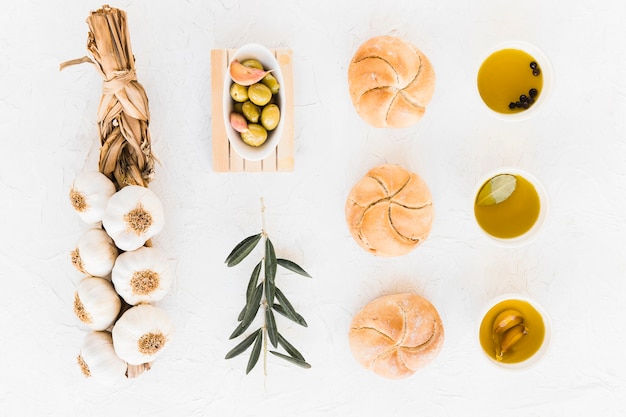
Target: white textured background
(575, 269)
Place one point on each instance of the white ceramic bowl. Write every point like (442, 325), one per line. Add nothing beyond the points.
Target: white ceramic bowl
(546, 70)
(531, 234)
(265, 57)
(537, 356)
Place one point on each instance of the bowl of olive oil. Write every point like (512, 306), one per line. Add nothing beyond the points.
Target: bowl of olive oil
(514, 80)
(510, 206)
(514, 332)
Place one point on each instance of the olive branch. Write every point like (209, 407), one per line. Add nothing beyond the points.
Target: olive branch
(268, 295)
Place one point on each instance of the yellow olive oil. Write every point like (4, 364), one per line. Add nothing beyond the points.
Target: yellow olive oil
(527, 346)
(512, 217)
(510, 81)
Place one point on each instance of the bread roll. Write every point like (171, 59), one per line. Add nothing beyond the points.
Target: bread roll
(395, 335)
(390, 82)
(389, 211)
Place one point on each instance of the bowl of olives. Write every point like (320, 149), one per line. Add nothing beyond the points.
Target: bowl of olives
(252, 105)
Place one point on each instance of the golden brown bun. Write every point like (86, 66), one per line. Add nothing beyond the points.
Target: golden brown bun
(390, 82)
(395, 335)
(389, 211)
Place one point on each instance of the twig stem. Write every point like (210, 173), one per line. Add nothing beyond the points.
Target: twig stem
(264, 233)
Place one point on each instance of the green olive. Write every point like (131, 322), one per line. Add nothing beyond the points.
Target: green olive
(259, 94)
(238, 92)
(256, 135)
(238, 107)
(272, 83)
(251, 111)
(270, 116)
(252, 63)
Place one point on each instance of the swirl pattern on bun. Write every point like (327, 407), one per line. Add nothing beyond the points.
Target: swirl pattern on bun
(391, 82)
(389, 211)
(396, 335)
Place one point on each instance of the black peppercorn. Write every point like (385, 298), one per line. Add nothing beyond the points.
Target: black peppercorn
(523, 98)
(533, 92)
(536, 72)
(533, 65)
(511, 105)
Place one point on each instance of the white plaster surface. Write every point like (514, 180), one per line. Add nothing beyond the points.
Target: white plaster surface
(575, 268)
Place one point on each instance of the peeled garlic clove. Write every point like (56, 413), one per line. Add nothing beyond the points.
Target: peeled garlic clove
(133, 215)
(89, 195)
(507, 320)
(238, 122)
(98, 359)
(510, 338)
(95, 253)
(245, 76)
(142, 276)
(141, 333)
(96, 304)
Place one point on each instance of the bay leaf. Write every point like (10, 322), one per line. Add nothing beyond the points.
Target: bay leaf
(497, 190)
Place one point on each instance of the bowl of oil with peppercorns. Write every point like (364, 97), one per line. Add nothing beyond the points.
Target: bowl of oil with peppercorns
(514, 80)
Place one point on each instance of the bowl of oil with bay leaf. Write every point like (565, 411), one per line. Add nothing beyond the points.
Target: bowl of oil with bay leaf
(510, 206)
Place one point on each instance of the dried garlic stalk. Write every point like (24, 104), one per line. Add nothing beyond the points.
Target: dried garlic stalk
(123, 116)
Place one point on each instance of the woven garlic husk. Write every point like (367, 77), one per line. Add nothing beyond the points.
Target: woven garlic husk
(123, 115)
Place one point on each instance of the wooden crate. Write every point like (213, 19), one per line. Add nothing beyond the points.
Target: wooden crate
(225, 159)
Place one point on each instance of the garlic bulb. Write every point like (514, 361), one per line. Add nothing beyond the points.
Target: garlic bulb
(98, 359)
(96, 303)
(133, 215)
(89, 195)
(142, 275)
(141, 333)
(95, 253)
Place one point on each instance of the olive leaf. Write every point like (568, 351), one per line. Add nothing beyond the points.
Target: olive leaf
(496, 190)
(270, 271)
(291, 359)
(245, 344)
(292, 351)
(251, 309)
(256, 352)
(297, 318)
(242, 249)
(253, 280)
(242, 313)
(270, 323)
(288, 308)
(292, 266)
(266, 294)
